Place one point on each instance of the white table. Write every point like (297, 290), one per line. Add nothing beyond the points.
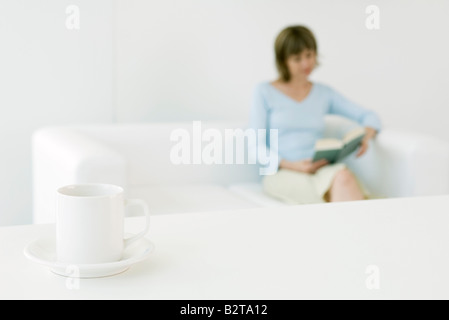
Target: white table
(328, 251)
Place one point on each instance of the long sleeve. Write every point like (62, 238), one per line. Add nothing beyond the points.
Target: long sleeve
(341, 106)
(263, 151)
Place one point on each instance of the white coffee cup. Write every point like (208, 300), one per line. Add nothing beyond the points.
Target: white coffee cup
(90, 223)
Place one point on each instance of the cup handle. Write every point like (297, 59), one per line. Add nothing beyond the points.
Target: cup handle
(141, 203)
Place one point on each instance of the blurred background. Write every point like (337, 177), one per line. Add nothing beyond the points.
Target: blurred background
(129, 61)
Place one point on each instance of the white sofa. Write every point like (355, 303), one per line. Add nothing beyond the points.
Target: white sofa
(137, 157)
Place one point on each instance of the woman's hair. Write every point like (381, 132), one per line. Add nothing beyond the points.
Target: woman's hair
(292, 40)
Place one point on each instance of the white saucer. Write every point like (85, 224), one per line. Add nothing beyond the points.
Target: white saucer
(43, 251)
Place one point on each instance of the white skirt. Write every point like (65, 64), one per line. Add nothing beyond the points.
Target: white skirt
(294, 187)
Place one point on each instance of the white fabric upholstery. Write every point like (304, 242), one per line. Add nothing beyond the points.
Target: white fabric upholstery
(137, 157)
(187, 198)
(253, 191)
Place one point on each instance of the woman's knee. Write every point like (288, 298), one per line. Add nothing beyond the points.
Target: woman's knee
(344, 177)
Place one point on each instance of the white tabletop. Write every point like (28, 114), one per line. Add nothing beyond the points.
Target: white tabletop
(377, 249)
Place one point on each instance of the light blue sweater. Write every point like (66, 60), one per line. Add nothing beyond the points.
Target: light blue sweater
(300, 124)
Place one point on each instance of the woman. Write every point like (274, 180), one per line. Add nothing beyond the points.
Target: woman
(296, 107)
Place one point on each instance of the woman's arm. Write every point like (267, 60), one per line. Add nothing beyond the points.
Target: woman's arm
(370, 133)
(367, 118)
(258, 120)
(306, 166)
(340, 105)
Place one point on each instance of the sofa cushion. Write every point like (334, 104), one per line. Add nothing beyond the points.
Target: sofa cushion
(254, 193)
(187, 198)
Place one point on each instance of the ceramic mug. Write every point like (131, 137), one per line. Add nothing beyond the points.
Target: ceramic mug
(90, 223)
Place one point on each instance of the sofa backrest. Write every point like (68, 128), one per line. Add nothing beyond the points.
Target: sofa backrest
(152, 150)
(152, 155)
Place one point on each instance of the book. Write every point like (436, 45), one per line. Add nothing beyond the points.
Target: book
(335, 150)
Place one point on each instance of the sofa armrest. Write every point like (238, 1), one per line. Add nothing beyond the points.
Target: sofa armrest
(404, 164)
(64, 156)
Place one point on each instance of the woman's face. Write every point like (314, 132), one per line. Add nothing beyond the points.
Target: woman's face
(301, 65)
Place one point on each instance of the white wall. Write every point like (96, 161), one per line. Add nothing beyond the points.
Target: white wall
(148, 60)
(48, 75)
(199, 59)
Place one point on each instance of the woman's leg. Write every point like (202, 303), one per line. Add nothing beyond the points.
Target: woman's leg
(344, 187)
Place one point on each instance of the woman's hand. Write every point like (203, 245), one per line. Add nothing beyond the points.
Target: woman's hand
(306, 166)
(370, 134)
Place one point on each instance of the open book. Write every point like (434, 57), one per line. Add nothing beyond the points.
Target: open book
(335, 150)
